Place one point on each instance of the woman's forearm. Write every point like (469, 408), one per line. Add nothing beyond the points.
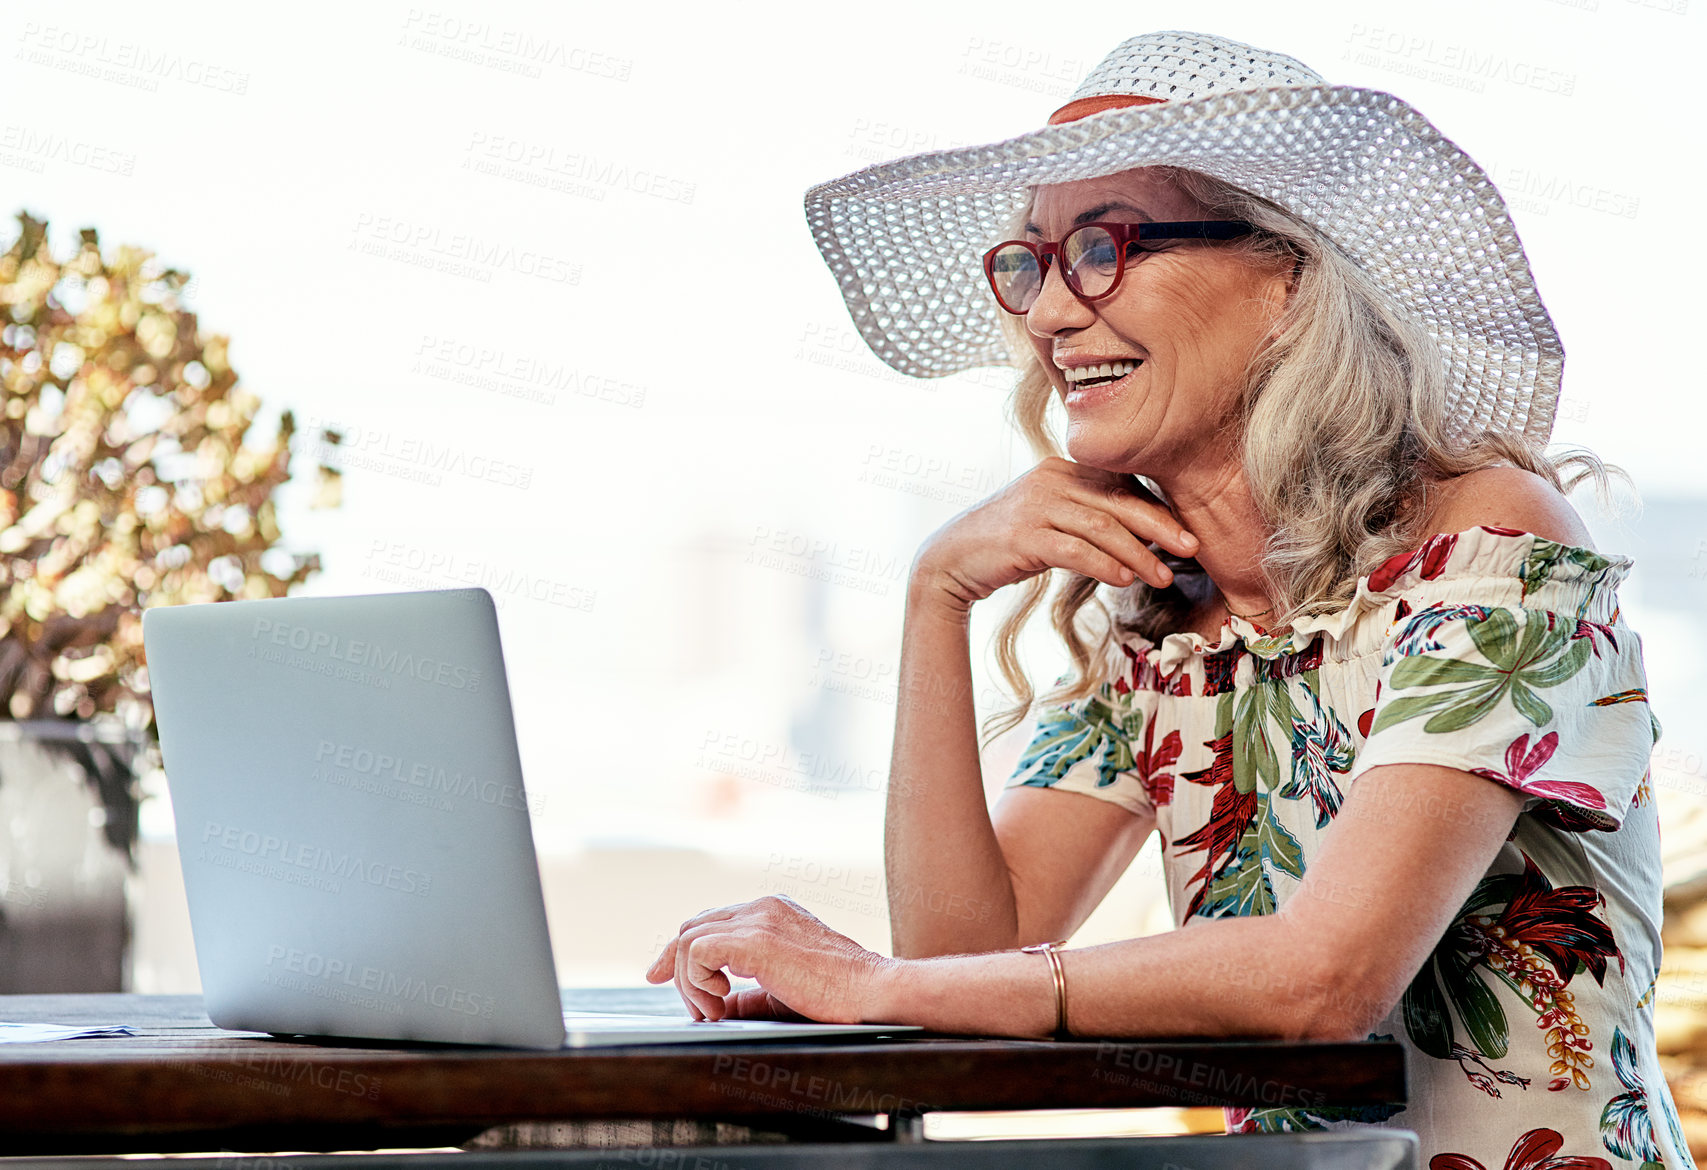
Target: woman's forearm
(949, 887)
(1246, 977)
(1329, 964)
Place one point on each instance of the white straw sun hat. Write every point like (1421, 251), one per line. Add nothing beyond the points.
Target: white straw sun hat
(905, 239)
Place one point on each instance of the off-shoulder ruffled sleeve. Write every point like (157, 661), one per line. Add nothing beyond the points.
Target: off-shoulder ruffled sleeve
(1087, 745)
(1509, 659)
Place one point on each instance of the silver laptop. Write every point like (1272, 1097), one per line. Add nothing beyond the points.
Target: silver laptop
(354, 829)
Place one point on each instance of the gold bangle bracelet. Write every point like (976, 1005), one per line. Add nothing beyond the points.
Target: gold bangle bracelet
(1048, 951)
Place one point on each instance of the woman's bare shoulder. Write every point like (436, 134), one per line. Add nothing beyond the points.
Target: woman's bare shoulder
(1504, 496)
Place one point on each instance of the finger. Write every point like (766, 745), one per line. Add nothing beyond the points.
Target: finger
(715, 914)
(1114, 533)
(703, 1004)
(1072, 551)
(755, 1003)
(1095, 522)
(704, 966)
(669, 964)
(663, 964)
(680, 980)
(682, 986)
(700, 1003)
(1140, 489)
(718, 914)
(1089, 473)
(1139, 511)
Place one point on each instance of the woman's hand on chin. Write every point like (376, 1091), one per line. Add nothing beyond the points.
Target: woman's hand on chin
(806, 971)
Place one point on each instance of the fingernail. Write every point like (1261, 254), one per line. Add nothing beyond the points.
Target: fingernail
(1187, 539)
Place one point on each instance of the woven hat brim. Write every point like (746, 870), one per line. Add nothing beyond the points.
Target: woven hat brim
(905, 239)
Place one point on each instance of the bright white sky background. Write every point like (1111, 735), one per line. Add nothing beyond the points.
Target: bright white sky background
(740, 411)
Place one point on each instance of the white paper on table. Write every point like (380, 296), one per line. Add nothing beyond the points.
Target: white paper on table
(36, 1033)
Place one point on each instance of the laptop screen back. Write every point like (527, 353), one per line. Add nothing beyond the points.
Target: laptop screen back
(351, 818)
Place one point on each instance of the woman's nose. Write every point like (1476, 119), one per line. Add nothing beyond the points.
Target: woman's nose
(1056, 307)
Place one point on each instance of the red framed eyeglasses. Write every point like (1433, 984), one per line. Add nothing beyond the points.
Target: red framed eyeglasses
(1094, 256)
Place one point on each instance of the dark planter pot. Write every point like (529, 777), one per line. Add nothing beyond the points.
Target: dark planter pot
(68, 824)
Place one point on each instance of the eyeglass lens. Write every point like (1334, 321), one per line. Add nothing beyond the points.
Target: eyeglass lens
(1090, 260)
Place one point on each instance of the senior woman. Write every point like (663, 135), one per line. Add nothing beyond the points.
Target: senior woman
(1337, 635)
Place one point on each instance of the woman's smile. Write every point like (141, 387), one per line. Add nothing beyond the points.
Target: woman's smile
(1089, 393)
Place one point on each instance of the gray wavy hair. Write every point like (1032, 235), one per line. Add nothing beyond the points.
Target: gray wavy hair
(1342, 425)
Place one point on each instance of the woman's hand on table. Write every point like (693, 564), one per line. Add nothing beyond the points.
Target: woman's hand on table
(806, 971)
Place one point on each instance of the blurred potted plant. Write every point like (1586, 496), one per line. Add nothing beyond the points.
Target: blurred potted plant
(127, 479)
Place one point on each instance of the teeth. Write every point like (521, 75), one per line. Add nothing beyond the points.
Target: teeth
(1107, 370)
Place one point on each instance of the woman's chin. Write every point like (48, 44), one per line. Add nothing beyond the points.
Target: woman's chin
(1094, 447)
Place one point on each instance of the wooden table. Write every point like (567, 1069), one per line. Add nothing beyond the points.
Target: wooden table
(182, 1084)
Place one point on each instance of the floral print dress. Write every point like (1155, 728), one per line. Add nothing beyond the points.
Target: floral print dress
(1529, 1032)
